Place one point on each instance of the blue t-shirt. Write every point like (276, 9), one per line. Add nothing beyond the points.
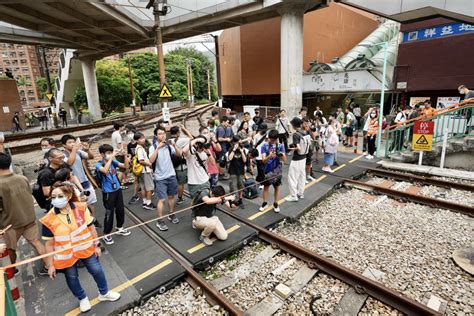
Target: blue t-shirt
(223, 132)
(110, 178)
(267, 149)
(164, 168)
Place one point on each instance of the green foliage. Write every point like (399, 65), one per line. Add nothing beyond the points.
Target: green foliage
(43, 87)
(22, 82)
(147, 78)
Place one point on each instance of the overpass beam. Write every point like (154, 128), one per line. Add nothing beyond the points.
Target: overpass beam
(291, 50)
(92, 91)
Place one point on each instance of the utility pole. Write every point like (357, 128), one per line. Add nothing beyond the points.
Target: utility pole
(159, 8)
(52, 101)
(191, 82)
(132, 90)
(208, 85)
(218, 70)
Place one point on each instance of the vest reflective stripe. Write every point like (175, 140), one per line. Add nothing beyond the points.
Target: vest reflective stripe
(66, 236)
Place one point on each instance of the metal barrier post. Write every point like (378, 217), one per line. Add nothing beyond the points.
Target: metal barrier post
(356, 142)
(420, 158)
(443, 151)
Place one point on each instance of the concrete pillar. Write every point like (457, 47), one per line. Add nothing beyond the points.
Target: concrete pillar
(92, 92)
(292, 57)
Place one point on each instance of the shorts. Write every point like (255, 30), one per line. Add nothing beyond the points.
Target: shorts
(236, 180)
(166, 187)
(276, 182)
(92, 198)
(349, 131)
(145, 181)
(328, 159)
(30, 232)
(309, 158)
(182, 176)
(194, 189)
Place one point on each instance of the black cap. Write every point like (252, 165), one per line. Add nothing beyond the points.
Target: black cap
(296, 122)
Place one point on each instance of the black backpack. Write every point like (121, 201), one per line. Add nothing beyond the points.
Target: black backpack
(37, 192)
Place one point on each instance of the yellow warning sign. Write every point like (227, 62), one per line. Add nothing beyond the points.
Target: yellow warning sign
(422, 142)
(49, 96)
(165, 92)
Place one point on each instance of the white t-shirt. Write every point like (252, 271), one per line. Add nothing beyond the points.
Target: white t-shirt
(259, 147)
(116, 139)
(142, 155)
(356, 111)
(196, 173)
(400, 118)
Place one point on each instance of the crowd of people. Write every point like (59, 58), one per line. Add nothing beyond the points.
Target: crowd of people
(245, 154)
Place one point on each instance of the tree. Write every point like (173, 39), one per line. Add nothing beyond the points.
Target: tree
(147, 78)
(113, 86)
(43, 87)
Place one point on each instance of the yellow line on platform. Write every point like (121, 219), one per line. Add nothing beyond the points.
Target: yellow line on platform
(201, 245)
(356, 158)
(127, 284)
(339, 168)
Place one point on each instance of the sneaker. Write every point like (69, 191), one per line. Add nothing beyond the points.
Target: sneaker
(173, 218)
(369, 157)
(110, 296)
(84, 305)
(364, 153)
(123, 231)
(43, 272)
(276, 208)
(310, 178)
(180, 200)
(108, 240)
(260, 187)
(300, 196)
(292, 198)
(161, 225)
(335, 164)
(241, 204)
(206, 240)
(263, 207)
(149, 206)
(134, 199)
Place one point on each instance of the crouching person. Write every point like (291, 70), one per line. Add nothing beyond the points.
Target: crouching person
(204, 213)
(69, 223)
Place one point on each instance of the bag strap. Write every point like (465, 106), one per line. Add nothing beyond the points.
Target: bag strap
(201, 163)
(261, 140)
(281, 123)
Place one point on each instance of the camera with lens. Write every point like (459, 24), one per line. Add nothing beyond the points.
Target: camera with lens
(202, 142)
(313, 129)
(280, 154)
(85, 193)
(204, 145)
(292, 145)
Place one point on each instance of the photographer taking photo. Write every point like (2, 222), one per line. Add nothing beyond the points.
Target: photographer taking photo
(198, 155)
(237, 157)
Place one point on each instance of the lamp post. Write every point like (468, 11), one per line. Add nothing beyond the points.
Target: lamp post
(382, 97)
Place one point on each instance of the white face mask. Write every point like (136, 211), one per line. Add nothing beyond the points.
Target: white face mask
(59, 202)
(108, 157)
(461, 92)
(45, 150)
(373, 115)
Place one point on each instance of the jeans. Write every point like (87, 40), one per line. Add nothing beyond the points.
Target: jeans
(94, 267)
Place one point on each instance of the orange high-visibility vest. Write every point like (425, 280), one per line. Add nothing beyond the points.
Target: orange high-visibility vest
(67, 236)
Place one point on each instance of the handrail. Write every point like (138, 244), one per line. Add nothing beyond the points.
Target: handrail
(456, 120)
(450, 108)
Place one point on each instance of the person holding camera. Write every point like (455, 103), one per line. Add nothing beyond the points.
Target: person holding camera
(224, 137)
(166, 184)
(273, 156)
(297, 171)
(215, 147)
(283, 126)
(204, 213)
(198, 155)
(179, 163)
(237, 158)
(75, 153)
(145, 179)
(112, 196)
(258, 141)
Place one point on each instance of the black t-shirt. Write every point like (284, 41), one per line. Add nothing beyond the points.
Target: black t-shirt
(46, 177)
(257, 120)
(131, 149)
(236, 165)
(469, 95)
(206, 210)
(298, 139)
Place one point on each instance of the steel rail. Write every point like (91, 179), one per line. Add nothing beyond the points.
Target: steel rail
(372, 288)
(420, 199)
(193, 278)
(422, 180)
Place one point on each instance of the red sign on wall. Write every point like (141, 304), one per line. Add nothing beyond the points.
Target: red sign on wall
(425, 128)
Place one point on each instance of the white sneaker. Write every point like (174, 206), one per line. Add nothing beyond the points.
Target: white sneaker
(123, 231)
(276, 209)
(292, 198)
(84, 305)
(110, 296)
(260, 187)
(369, 157)
(364, 153)
(263, 207)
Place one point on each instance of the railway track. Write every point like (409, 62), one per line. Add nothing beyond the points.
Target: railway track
(141, 123)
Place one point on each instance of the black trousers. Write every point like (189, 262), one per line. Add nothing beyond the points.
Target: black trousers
(260, 171)
(283, 139)
(113, 203)
(371, 144)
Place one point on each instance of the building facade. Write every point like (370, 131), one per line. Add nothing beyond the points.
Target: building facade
(250, 54)
(24, 62)
(434, 58)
